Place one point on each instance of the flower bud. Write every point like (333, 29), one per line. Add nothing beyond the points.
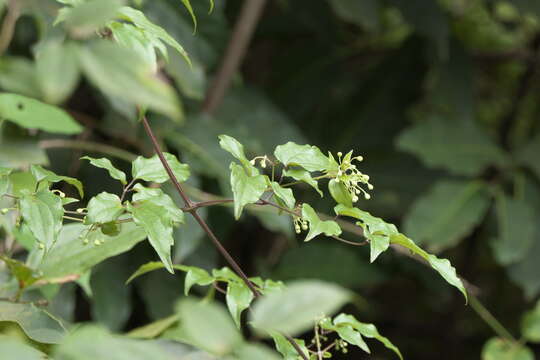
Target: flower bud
(367, 196)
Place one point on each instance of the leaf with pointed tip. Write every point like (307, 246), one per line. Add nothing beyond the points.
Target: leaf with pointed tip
(42, 174)
(145, 268)
(339, 193)
(151, 169)
(284, 194)
(304, 176)
(106, 164)
(318, 226)
(501, 349)
(154, 220)
(286, 349)
(233, 146)
(246, 189)
(104, 208)
(307, 156)
(158, 197)
(196, 276)
(43, 212)
(347, 333)
(33, 114)
(238, 298)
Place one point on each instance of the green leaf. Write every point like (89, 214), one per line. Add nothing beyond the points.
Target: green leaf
(158, 197)
(339, 193)
(346, 332)
(131, 37)
(195, 276)
(106, 164)
(187, 5)
(316, 225)
(236, 149)
(304, 176)
(89, 342)
(528, 155)
(42, 174)
(71, 256)
(104, 208)
(151, 169)
(517, 229)
(238, 297)
(87, 17)
(457, 146)
(16, 349)
(25, 276)
(500, 349)
(145, 268)
(364, 13)
(284, 194)
(208, 326)
(307, 156)
(286, 349)
(21, 154)
(366, 330)
(18, 75)
(43, 213)
(306, 301)
(530, 324)
(153, 329)
(36, 323)
(246, 189)
(104, 63)
(154, 220)
(4, 180)
(57, 70)
(137, 17)
(442, 266)
(32, 114)
(447, 213)
(255, 351)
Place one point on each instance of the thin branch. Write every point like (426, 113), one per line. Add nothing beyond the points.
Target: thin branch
(242, 33)
(489, 319)
(8, 26)
(365, 242)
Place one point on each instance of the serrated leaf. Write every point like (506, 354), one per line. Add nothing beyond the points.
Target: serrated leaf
(42, 174)
(153, 219)
(366, 330)
(236, 149)
(208, 326)
(286, 349)
(139, 19)
(304, 176)
(43, 213)
(57, 71)
(36, 323)
(517, 229)
(71, 257)
(457, 146)
(318, 226)
(158, 197)
(106, 164)
(151, 169)
(104, 63)
(447, 213)
(306, 302)
(246, 189)
(530, 324)
(104, 208)
(33, 114)
(238, 298)
(307, 156)
(284, 194)
(339, 193)
(501, 349)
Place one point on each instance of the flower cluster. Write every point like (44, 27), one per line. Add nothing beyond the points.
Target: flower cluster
(351, 177)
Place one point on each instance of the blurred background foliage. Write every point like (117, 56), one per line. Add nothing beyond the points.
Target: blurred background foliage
(441, 98)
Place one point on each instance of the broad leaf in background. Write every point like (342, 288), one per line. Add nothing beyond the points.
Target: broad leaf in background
(364, 13)
(104, 64)
(16, 349)
(528, 155)
(18, 75)
(318, 226)
(57, 70)
(36, 323)
(155, 221)
(43, 213)
(85, 18)
(457, 146)
(306, 302)
(151, 169)
(71, 256)
(500, 349)
(106, 164)
(255, 351)
(246, 189)
(517, 229)
(208, 326)
(103, 208)
(22, 154)
(447, 213)
(32, 114)
(530, 324)
(307, 156)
